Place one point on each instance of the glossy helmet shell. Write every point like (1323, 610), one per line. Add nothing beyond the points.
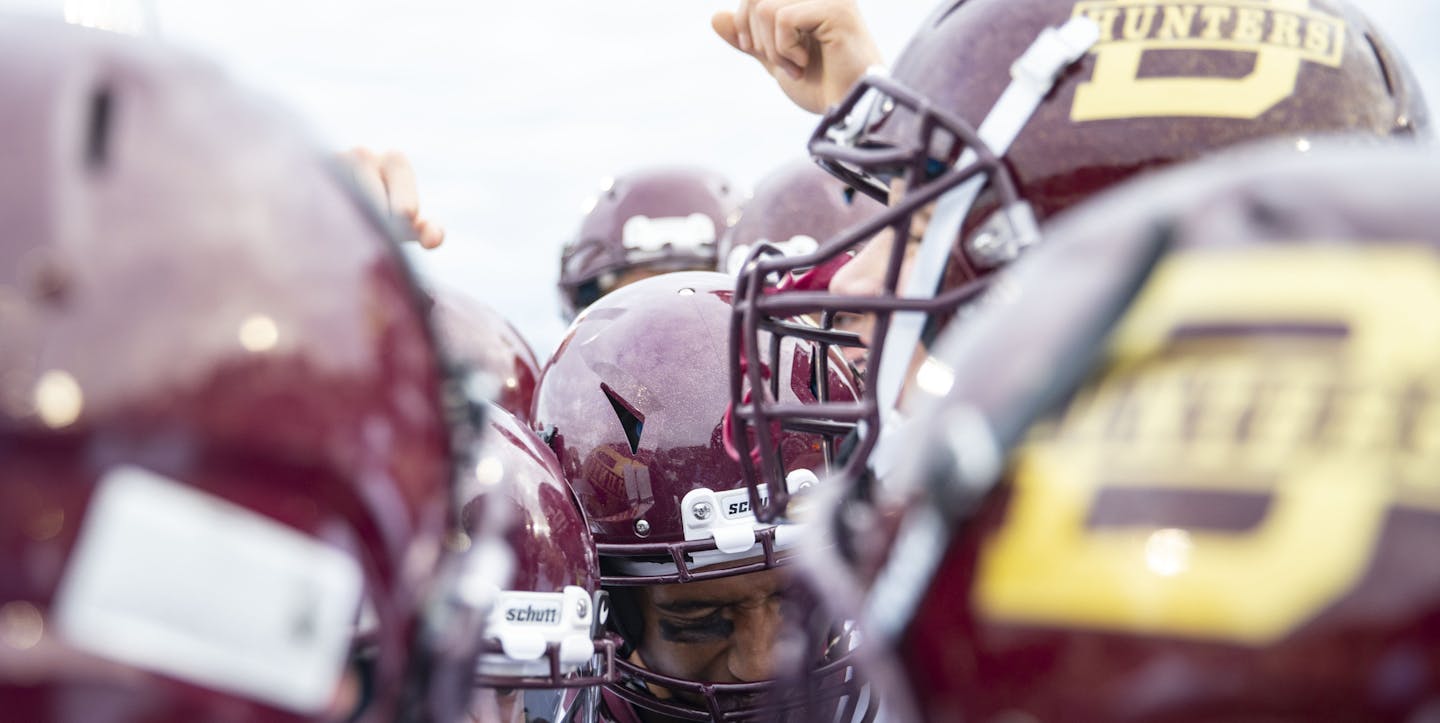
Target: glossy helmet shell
(1196, 78)
(636, 394)
(522, 488)
(478, 337)
(650, 219)
(795, 207)
(190, 289)
(1265, 565)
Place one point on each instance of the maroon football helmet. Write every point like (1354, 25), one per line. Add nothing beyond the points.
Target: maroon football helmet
(479, 337)
(1001, 113)
(546, 634)
(1178, 470)
(225, 421)
(793, 208)
(635, 400)
(647, 222)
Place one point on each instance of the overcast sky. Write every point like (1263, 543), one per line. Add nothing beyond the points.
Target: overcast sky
(513, 111)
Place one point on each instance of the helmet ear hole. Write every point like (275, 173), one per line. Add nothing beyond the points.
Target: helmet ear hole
(625, 617)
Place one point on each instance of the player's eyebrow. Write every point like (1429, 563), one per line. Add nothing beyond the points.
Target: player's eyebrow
(687, 606)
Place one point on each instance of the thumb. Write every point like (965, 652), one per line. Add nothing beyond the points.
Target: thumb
(724, 24)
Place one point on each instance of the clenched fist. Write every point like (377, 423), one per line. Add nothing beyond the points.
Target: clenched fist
(815, 49)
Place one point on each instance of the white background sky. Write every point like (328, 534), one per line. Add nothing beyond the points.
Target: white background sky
(512, 111)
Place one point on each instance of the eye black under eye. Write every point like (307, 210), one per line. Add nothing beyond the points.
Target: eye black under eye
(708, 629)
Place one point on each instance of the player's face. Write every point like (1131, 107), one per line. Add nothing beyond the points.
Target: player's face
(720, 631)
(865, 274)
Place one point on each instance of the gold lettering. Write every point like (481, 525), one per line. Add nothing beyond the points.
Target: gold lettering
(1106, 19)
(1317, 37)
(1227, 397)
(1250, 25)
(1213, 16)
(1283, 418)
(1137, 25)
(1280, 36)
(1157, 403)
(1359, 421)
(1423, 438)
(1177, 22)
(1285, 30)
(1088, 416)
(1417, 439)
(1228, 413)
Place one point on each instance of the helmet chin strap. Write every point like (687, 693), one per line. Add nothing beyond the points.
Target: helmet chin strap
(1033, 76)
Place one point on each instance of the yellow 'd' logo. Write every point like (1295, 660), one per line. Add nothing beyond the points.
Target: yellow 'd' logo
(1278, 34)
(1297, 382)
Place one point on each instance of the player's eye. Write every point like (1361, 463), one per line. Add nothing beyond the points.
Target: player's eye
(707, 629)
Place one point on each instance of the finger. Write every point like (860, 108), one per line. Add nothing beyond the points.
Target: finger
(366, 169)
(400, 189)
(865, 274)
(762, 29)
(724, 24)
(794, 31)
(429, 234)
(742, 26)
(794, 71)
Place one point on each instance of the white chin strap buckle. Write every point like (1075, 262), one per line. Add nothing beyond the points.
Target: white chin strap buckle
(526, 623)
(1053, 51)
(727, 517)
(1005, 235)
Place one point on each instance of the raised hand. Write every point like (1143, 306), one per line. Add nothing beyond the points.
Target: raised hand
(390, 180)
(815, 49)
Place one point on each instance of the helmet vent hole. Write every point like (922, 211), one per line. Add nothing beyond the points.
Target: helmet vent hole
(631, 420)
(97, 142)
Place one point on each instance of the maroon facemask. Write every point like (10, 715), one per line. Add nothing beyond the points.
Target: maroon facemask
(635, 399)
(793, 208)
(996, 117)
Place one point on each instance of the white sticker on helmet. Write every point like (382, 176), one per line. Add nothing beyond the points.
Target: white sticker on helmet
(526, 623)
(185, 584)
(726, 518)
(681, 233)
(798, 245)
